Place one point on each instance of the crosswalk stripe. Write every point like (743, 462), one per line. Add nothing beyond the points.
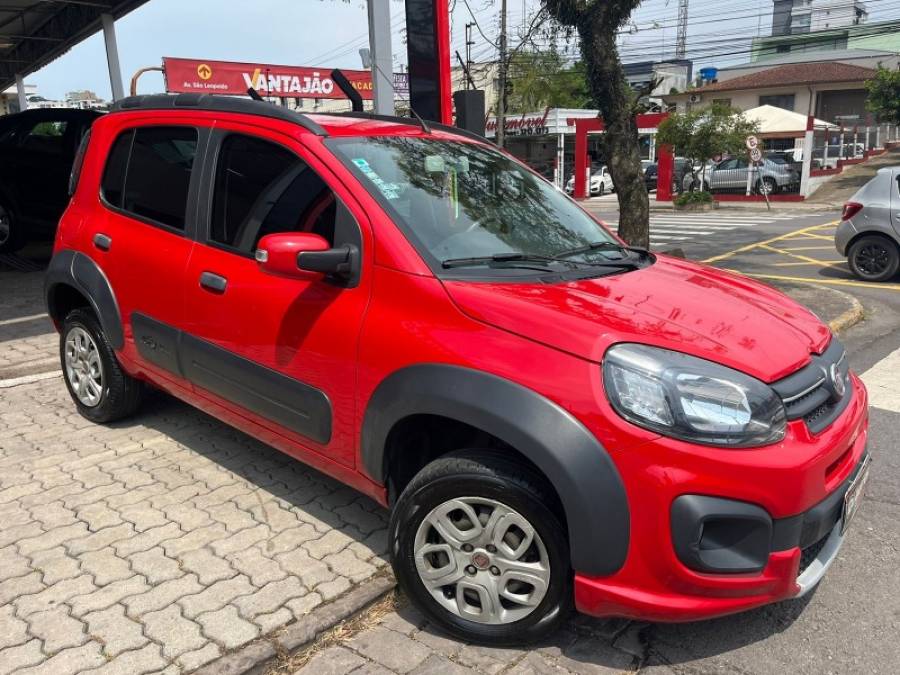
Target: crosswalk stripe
(695, 225)
(667, 230)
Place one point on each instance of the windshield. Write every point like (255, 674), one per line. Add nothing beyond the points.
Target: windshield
(462, 200)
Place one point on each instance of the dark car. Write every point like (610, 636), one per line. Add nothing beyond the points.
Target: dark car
(680, 169)
(37, 148)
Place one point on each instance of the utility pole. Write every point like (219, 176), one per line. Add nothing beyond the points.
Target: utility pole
(500, 136)
(469, 43)
(681, 41)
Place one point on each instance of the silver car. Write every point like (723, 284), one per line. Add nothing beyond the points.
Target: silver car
(869, 233)
(769, 176)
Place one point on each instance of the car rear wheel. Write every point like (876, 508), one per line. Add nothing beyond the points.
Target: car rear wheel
(874, 258)
(10, 234)
(101, 390)
(477, 547)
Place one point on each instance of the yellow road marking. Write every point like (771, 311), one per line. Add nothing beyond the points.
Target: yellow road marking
(750, 247)
(832, 282)
(797, 256)
(811, 262)
(810, 248)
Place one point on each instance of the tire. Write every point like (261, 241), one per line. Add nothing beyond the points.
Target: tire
(767, 186)
(874, 258)
(485, 482)
(108, 392)
(11, 235)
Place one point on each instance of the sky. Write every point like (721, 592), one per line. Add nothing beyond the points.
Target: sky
(329, 33)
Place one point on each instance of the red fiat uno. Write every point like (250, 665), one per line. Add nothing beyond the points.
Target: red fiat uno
(552, 417)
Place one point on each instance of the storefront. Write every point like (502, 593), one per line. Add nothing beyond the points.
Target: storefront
(546, 141)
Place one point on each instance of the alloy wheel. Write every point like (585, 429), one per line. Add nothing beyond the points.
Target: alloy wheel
(872, 259)
(84, 369)
(482, 560)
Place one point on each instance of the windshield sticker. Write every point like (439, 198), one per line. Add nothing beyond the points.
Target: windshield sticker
(389, 190)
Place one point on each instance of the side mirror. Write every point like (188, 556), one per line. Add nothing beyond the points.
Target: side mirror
(304, 255)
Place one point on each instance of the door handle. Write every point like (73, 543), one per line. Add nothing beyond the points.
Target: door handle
(102, 241)
(213, 282)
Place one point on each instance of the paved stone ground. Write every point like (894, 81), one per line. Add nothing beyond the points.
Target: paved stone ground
(28, 342)
(160, 543)
(403, 642)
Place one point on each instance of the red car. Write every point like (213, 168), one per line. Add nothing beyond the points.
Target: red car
(553, 417)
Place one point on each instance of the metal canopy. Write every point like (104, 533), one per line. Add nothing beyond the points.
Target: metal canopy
(35, 32)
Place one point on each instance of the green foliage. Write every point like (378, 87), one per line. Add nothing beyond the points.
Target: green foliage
(541, 79)
(884, 95)
(702, 134)
(686, 198)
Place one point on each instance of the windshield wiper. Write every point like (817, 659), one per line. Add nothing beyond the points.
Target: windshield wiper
(504, 258)
(511, 260)
(600, 246)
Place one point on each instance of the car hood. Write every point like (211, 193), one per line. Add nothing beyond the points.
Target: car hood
(674, 304)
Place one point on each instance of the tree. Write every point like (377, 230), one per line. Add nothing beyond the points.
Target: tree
(703, 134)
(597, 23)
(540, 79)
(884, 95)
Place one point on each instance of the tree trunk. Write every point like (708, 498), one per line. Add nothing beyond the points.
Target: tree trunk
(620, 143)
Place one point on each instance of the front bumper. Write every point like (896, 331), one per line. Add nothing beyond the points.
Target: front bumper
(655, 584)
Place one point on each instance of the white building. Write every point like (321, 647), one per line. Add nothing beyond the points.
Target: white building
(795, 17)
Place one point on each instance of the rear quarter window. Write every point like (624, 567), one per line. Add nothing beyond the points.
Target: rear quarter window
(148, 173)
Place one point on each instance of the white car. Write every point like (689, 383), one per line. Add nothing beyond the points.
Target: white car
(601, 183)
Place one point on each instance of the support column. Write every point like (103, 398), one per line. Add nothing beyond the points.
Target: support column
(382, 55)
(807, 155)
(112, 56)
(20, 91)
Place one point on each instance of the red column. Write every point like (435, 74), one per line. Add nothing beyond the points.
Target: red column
(582, 166)
(442, 46)
(665, 167)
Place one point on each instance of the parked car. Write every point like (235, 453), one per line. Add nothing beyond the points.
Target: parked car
(769, 176)
(553, 418)
(681, 167)
(869, 231)
(601, 182)
(37, 148)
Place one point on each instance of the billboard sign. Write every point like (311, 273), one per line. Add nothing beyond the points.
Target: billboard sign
(229, 77)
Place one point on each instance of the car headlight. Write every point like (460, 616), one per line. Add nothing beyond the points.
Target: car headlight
(692, 399)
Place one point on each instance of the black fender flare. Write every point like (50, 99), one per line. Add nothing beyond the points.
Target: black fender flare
(573, 460)
(75, 269)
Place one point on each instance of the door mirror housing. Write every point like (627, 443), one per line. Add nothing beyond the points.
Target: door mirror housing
(304, 255)
(278, 253)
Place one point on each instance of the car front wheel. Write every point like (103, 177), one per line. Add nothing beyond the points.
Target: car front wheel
(874, 258)
(477, 545)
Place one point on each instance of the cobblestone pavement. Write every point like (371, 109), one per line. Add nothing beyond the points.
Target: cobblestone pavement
(159, 543)
(28, 342)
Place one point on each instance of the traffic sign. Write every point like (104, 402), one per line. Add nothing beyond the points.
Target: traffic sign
(752, 142)
(755, 154)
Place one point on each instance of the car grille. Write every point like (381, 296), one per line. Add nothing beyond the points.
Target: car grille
(810, 553)
(812, 393)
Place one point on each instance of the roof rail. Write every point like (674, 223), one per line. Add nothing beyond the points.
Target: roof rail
(411, 122)
(219, 104)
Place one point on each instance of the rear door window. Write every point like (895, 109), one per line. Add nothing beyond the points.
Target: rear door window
(148, 173)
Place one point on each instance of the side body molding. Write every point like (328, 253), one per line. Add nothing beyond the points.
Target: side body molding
(71, 268)
(582, 472)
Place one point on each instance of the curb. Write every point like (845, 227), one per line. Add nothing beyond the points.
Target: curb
(255, 657)
(850, 317)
